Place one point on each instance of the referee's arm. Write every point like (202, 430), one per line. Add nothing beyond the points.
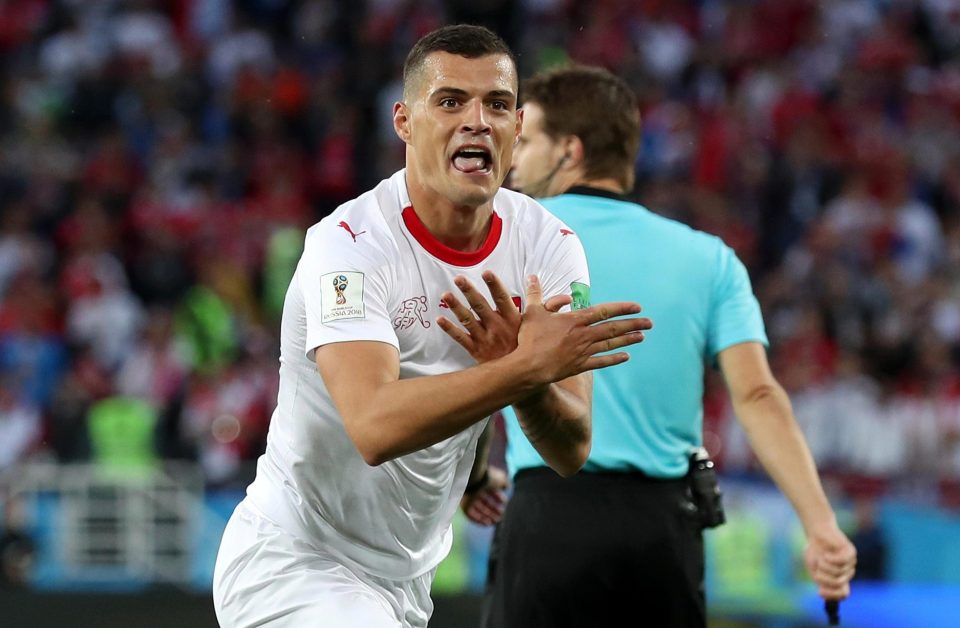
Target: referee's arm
(763, 409)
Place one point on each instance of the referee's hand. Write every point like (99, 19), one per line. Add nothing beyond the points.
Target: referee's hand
(485, 505)
(831, 560)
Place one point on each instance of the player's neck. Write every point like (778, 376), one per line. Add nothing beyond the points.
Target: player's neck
(460, 227)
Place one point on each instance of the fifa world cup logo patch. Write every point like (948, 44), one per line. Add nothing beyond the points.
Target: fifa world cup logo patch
(340, 285)
(341, 296)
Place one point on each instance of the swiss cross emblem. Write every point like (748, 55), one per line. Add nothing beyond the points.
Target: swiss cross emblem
(411, 312)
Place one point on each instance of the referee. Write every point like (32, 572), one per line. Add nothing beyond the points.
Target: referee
(623, 538)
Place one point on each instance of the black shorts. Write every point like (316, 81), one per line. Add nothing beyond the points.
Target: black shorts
(593, 549)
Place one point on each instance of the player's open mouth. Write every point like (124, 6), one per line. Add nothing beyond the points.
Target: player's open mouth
(473, 160)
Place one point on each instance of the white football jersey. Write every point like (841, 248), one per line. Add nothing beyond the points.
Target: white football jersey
(372, 271)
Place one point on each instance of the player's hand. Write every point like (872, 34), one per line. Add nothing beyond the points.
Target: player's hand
(831, 561)
(486, 504)
(488, 332)
(560, 345)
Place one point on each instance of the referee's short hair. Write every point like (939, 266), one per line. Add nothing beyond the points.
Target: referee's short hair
(596, 106)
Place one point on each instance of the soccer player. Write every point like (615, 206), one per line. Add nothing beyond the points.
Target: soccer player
(378, 415)
(623, 537)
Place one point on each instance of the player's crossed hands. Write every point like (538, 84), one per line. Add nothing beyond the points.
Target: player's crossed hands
(488, 332)
(557, 345)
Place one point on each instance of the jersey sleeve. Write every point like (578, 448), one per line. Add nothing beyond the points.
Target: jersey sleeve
(561, 264)
(346, 289)
(735, 315)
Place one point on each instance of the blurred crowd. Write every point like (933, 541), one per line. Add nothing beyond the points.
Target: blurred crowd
(160, 161)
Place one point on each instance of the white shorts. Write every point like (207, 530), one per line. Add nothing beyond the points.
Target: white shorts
(266, 577)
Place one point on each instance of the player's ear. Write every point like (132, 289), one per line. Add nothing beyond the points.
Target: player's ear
(401, 121)
(519, 130)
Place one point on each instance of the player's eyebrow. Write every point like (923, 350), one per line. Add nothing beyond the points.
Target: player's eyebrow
(504, 94)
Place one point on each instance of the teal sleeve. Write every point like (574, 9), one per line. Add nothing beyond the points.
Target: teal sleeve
(735, 315)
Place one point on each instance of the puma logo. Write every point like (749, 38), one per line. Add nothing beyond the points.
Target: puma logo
(345, 226)
(563, 232)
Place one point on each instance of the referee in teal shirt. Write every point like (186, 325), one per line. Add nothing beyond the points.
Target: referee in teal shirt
(623, 537)
(648, 411)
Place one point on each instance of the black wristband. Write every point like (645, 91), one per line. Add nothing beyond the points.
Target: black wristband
(479, 483)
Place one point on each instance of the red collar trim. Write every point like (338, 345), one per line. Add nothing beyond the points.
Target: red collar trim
(443, 252)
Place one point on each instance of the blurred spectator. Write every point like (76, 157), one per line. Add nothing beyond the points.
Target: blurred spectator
(72, 50)
(103, 315)
(243, 47)
(20, 249)
(214, 314)
(226, 418)
(17, 548)
(144, 36)
(869, 540)
(157, 367)
(20, 425)
(31, 347)
(122, 438)
(85, 383)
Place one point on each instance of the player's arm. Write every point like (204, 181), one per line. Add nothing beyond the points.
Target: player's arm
(386, 416)
(763, 409)
(557, 420)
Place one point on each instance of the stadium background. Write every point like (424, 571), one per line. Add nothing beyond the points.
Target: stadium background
(160, 160)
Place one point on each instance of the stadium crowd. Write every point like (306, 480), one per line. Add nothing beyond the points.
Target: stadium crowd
(160, 160)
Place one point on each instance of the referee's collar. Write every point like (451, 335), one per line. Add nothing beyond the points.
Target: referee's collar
(587, 190)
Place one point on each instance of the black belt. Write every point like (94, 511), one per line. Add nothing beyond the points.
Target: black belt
(541, 475)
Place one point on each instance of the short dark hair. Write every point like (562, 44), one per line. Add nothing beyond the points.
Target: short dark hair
(466, 40)
(599, 108)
